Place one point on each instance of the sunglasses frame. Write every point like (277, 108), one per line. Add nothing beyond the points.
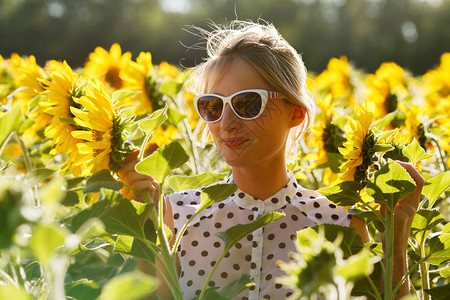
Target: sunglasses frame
(265, 95)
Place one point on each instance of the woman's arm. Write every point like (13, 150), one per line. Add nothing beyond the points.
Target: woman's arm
(403, 217)
(137, 184)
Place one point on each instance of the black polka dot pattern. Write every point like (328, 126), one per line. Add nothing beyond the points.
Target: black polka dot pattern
(258, 253)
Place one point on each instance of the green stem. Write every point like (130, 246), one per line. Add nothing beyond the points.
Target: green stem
(202, 294)
(191, 140)
(8, 278)
(177, 241)
(424, 273)
(28, 165)
(441, 155)
(376, 212)
(389, 255)
(374, 288)
(168, 262)
(144, 145)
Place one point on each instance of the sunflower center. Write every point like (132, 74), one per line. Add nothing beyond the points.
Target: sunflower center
(112, 76)
(368, 154)
(391, 103)
(333, 138)
(151, 88)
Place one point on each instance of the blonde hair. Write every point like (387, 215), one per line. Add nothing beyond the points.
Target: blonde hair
(263, 47)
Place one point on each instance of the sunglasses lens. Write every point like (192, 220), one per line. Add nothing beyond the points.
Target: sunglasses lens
(210, 108)
(247, 105)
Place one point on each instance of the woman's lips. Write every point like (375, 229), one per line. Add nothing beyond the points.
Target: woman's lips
(234, 142)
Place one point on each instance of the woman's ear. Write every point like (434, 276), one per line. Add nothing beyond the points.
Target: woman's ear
(298, 115)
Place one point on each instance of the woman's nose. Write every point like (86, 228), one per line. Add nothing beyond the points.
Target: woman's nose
(229, 118)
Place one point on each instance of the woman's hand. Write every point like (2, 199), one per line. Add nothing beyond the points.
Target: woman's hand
(403, 217)
(136, 183)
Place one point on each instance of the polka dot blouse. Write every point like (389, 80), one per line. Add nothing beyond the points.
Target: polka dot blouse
(258, 253)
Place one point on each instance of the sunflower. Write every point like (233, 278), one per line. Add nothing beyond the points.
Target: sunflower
(443, 120)
(437, 82)
(358, 150)
(387, 87)
(62, 87)
(163, 136)
(28, 81)
(6, 80)
(95, 121)
(337, 80)
(139, 76)
(327, 138)
(107, 66)
(171, 71)
(414, 126)
(29, 87)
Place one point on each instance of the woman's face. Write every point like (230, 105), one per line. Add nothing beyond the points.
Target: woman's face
(250, 143)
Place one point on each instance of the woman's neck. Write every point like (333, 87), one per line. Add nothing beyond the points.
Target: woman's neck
(261, 181)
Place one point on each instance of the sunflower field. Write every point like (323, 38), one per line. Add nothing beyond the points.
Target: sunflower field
(68, 232)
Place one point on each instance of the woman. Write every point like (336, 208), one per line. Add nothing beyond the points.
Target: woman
(251, 91)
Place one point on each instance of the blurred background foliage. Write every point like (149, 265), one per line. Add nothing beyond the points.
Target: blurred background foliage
(412, 33)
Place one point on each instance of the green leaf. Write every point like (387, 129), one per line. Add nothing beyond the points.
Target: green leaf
(39, 175)
(216, 193)
(233, 288)
(182, 182)
(174, 116)
(445, 272)
(83, 289)
(390, 184)
(424, 222)
(133, 246)
(10, 292)
(211, 293)
(121, 94)
(83, 216)
(351, 242)
(440, 292)
(101, 179)
(334, 161)
(385, 121)
(415, 152)
(343, 194)
(148, 125)
(97, 271)
(46, 238)
(230, 291)
(382, 148)
(123, 218)
(53, 191)
(128, 286)
(10, 122)
(355, 266)
(170, 88)
(120, 217)
(234, 234)
(161, 162)
(439, 247)
(25, 125)
(435, 186)
(385, 134)
(70, 199)
(92, 228)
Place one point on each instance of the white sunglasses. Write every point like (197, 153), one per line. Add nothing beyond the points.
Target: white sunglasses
(247, 104)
